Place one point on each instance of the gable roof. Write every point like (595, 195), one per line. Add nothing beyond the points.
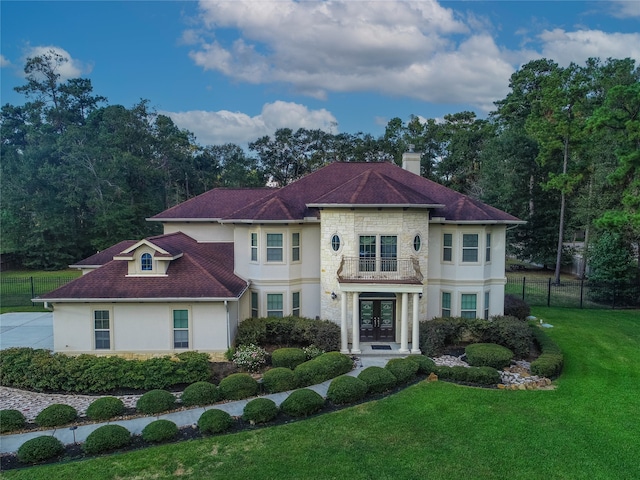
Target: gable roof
(103, 256)
(203, 271)
(341, 185)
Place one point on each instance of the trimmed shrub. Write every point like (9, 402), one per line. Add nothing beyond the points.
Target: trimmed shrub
(488, 355)
(302, 402)
(326, 366)
(252, 330)
(260, 410)
(516, 307)
(436, 334)
(346, 389)
(215, 421)
(199, 394)
(483, 375)
(40, 448)
(155, 401)
(425, 364)
(309, 373)
(279, 379)
(289, 331)
(288, 357)
(105, 408)
(250, 358)
(11, 420)
(56, 415)
(404, 369)
(238, 386)
(549, 363)
(107, 438)
(159, 431)
(508, 332)
(378, 379)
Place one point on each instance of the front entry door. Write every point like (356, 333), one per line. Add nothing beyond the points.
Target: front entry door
(377, 320)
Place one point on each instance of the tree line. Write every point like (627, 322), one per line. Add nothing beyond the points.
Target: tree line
(561, 151)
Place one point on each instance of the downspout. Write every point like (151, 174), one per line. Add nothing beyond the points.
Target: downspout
(226, 306)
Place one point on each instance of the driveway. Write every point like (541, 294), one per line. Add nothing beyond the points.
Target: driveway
(32, 329)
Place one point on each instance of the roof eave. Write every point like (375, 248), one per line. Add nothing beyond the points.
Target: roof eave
(138, 300)
(376, 205)
(477, 222)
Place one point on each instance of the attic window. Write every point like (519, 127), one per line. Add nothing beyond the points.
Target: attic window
(146, 262)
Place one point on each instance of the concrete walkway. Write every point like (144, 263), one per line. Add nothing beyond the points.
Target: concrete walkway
(183, 418)
(26, 329)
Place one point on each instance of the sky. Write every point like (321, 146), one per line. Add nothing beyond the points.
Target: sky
(232, 71)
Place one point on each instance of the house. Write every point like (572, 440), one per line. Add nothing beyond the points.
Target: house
(371, 246)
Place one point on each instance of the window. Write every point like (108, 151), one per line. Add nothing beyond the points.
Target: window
(446, 304)
(367, 253)
(146, 262)
(388, 253)
(274, 305)
(486, 305)
(335, 243)
(295, 304)
(274, 247)
(254, 247)
(447, 247)
(470, 247)
(468, 305)
(487, 255)
(295, 247)
(181, 329)
(101, 328)
(417, 243)
(254, 305)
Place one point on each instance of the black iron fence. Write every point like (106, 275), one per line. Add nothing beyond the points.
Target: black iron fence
(18, 292)
(575, 293)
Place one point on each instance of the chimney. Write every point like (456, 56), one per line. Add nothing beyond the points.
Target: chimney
(411, 161)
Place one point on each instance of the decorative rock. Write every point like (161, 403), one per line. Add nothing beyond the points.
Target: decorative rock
(432, 377)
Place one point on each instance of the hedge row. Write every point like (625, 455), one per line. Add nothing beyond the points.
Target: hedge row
(477, 375)
(549, 363)
(509, 332)
(290, 332)
(42, 370)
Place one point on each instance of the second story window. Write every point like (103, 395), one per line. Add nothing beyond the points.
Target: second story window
(447, 247)
(295, 247)
(146, 262)
(274, 247)
(487, 257)
(470, 247)
(254, 247)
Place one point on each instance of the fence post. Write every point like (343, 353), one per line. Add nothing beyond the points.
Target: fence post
(549, 293)
(33, 291)
(581, 290)
(613, 306)
(524, 279)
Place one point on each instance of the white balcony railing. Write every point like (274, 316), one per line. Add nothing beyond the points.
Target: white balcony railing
(377, 269)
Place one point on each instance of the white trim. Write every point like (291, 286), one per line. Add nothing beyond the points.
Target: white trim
(375, 205)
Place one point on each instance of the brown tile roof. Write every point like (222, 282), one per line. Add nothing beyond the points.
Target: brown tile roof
(205, 270)
(105, 255)
(339, 184)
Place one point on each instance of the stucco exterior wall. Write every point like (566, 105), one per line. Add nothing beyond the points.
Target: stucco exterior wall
(202, 231)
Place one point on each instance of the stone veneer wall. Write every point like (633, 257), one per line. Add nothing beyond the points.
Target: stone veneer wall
(349, 224)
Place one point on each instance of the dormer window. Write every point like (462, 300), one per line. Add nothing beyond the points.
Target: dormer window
(146, 262)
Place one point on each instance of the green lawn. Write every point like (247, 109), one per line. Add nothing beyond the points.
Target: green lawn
(588, 427)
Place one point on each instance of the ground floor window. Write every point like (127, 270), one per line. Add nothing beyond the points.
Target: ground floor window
(181, 329)
(295, 304)
(275, 305)
(446, 304)
(102, 330)
(254, 305)
(468, 305)
(486, 305)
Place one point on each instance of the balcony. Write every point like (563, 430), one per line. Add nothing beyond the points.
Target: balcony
(380, 270)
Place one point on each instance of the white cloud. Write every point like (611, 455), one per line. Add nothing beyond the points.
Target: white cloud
(71, 69)
(4, 62)
(214, 128)
(625, 8)
(566, 47)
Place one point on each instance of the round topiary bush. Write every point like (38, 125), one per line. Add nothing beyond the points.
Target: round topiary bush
(279, 379)
(56, 415)
(378, 379)
(288, 357)
(238, 386)
(425, 364)
(334, 363)
(403, 369)
(302, 402)
(309, 373)
(488, 355)
(346, 389)
(11, 420)
(260, 410)
(107, 438)
(155, 401)
(215, 421)
(159, 431)
(105, 408)
(199, 394)
(40, 448)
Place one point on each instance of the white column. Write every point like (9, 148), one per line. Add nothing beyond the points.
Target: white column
(415, 332)
(404, 324)
(344, 327)
(355, 342)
